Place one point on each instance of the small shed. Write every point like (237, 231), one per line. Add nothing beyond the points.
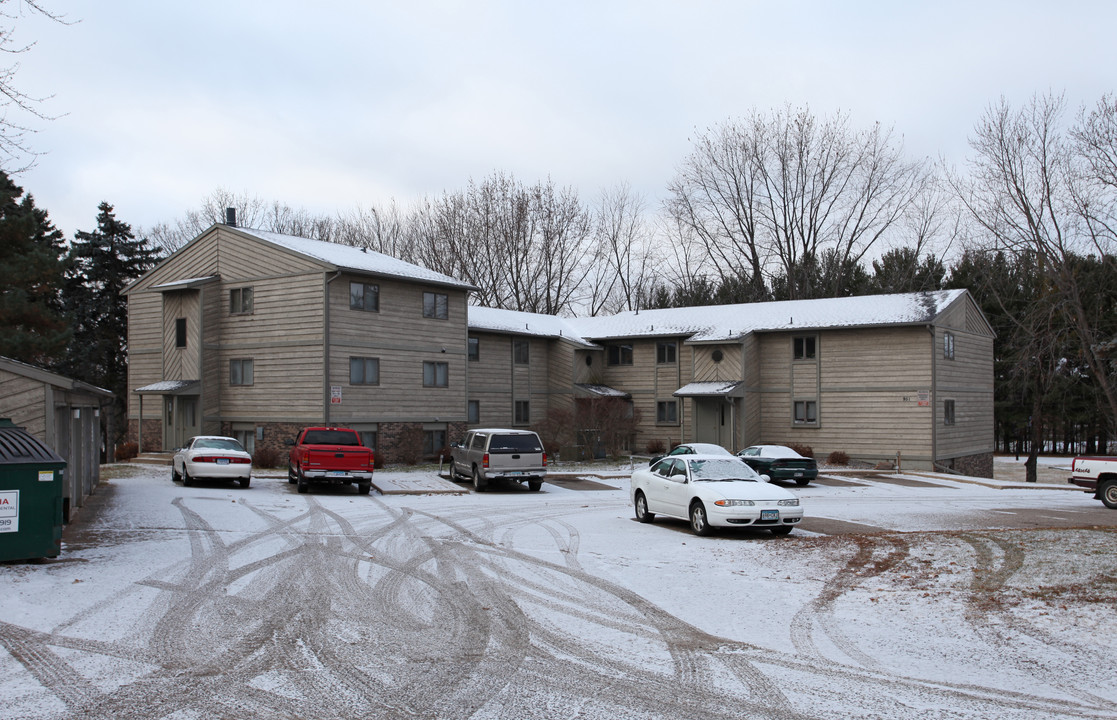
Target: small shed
(66, 415)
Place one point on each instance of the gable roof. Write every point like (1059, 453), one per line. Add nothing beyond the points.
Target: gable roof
(724, 323)
(46, 376)
(328, 255)
(359, 260)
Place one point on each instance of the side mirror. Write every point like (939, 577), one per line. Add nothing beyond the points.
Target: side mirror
(765, 478)
(289, 442)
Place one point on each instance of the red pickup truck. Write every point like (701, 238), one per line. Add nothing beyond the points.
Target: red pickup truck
(329, 455)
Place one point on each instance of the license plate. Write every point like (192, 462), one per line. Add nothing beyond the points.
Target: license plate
(336, 473)
(769, 514)
(222, 461)
(798, 474)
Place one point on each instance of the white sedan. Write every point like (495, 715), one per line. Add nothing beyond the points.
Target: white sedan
(212, 457)
(713, 491)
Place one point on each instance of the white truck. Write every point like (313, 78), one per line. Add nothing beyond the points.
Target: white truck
(499, 454)
(1097, 475)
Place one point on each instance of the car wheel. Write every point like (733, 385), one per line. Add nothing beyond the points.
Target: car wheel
(291, 477)
(803, 482)
(245, 482)
(642, 513)
(363, 488)
(534, 485)
(479, 483)
(174, 474)
(1107, 491)
(187, 481)
(303, 484)
(699, 523)
(781, 530)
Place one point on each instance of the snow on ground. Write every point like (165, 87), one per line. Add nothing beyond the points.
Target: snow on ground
(214, 601)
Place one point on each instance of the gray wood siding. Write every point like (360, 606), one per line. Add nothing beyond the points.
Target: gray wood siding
(24, 402)
(490, 377)
(182, 363)
(867, 396)
(592, 374)
(145, 349)
(730, 367)
(403, 340)
(968, 381)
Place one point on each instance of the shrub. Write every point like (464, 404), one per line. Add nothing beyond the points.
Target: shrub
(804, 450)
(655, 447)
(838, 458)
(266, 457)
(127, 451)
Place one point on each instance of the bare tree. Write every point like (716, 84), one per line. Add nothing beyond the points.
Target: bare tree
(1036, 189)
(770, 193)
(621, 272)
(16, 154)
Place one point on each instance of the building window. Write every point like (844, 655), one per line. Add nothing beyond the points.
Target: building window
(948, 412)
(436, 374)
(436, 305)
(474, 348)
(665, 353)
(521, 352)
(804, 348)
(521, 412)
(240, 301)
(240, 372)
(619, 355)
(434, 442)
(368, 439)
(473, 415)
(180, 333)
(364, 371)
(806, 411)
(948, 346)
(667, 412)
(364, 296)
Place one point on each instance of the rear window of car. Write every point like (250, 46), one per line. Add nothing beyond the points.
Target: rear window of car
(218, 444)
(515, 443)
(331, 437)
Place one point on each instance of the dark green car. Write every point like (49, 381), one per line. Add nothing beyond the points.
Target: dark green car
(780, 463)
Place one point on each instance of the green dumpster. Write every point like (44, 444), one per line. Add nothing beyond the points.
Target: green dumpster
(30, 496)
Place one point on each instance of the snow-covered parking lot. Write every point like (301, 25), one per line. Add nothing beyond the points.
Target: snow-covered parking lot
(898, 598)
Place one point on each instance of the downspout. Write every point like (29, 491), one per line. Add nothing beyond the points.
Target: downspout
(326, 347)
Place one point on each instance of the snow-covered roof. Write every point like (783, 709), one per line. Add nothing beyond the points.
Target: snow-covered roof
(602, 390)
(710, 388)
(525, 323)
(183, 284)
(167, 387)
(351, 258)
(719, 323)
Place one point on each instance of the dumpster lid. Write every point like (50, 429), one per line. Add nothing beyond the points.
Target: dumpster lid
(19, 446)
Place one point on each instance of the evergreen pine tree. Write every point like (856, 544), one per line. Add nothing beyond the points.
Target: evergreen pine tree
(33, 327)
(102, 264)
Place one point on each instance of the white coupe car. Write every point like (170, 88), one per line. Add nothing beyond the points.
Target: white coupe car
(713, 491)
(212, 457)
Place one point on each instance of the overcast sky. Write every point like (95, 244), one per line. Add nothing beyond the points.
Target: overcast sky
(330, 104)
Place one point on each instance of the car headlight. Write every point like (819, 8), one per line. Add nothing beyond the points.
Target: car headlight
(792, 501)
(733, 503)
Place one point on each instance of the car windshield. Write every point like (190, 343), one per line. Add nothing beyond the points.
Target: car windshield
(218, 444)
(718, 469)
(515, 444)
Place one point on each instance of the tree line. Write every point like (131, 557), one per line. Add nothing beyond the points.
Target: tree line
(776, 205)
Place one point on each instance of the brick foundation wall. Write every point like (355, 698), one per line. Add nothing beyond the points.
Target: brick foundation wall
(153, 434)
(980, 465)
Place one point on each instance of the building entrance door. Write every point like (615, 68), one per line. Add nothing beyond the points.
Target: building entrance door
(712, 418)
